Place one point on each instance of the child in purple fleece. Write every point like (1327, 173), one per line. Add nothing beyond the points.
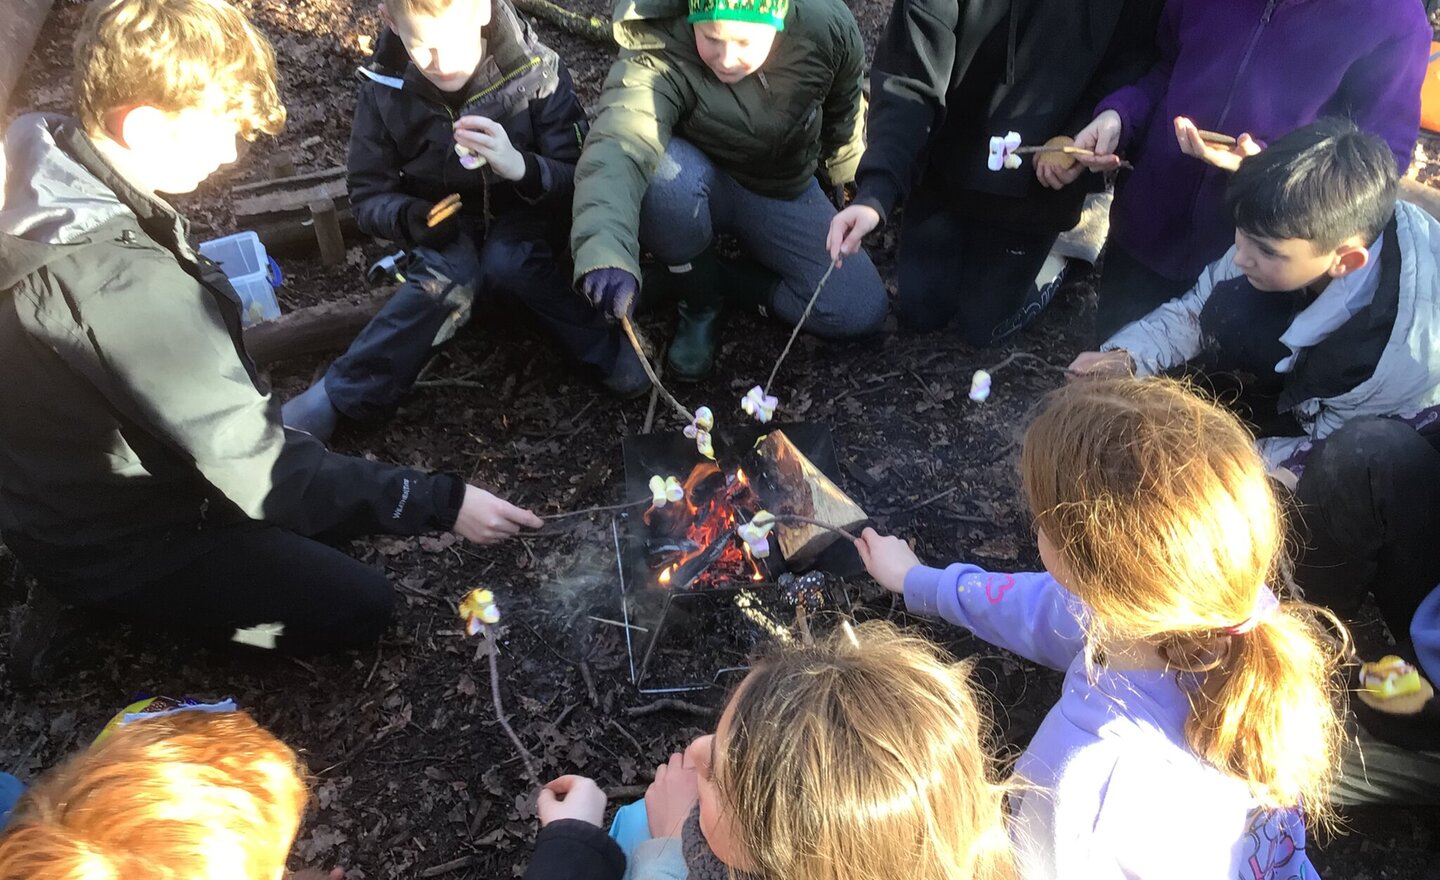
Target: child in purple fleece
(1257, 67)
(1197, 713)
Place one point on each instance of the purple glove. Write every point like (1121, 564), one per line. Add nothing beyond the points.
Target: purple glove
(611, 290)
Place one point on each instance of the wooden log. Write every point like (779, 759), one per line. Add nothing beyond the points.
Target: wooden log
(587, 27)
(802, 489)
(328, 236)
(312, 330)
(288, 196)
(19, 29)
(296, 238)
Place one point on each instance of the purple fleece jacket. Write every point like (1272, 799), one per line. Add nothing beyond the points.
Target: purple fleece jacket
(1266, 67)
(1114, 791)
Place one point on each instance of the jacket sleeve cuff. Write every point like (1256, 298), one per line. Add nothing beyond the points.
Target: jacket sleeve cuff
(1127, 112)
(575, 848)
(532, 186)
(878, 192)
(922, 590)
(449, 495)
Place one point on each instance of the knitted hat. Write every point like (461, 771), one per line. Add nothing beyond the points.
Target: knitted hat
(770, 12)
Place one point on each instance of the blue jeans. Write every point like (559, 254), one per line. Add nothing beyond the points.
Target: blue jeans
(689, 200)
(517, 261)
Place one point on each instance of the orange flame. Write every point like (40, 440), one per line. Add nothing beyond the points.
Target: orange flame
(712, 513)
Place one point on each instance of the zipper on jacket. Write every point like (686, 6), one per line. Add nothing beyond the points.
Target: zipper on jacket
(1229, 101)
(1245, 61)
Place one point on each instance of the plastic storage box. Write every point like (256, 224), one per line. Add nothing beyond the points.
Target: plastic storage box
(251, 272)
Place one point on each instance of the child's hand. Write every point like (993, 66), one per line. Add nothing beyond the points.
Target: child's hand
(486, 519)
(848, 228)
(1057, 170)
(1103, 364)
(572, 797)
(1101, 137)
(671, 796)
(489, 139)
(1225, 158)
(888, 559)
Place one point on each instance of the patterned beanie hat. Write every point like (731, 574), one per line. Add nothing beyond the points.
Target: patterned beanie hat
(769, 12)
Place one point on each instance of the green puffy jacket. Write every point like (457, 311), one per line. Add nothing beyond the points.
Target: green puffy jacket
(770, 131)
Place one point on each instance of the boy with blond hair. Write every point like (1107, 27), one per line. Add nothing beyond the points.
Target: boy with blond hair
(144, 471)
(482, 110)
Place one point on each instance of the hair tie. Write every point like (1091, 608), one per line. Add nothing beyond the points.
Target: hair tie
(1266, 604)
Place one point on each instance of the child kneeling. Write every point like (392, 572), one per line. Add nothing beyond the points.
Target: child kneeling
(1198, 714)
(482, 110)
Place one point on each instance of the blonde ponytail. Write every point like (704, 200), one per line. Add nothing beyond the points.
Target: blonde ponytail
(1268, 713)
(1158, 504)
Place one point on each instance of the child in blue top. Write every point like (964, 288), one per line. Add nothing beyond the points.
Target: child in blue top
(1198, 711)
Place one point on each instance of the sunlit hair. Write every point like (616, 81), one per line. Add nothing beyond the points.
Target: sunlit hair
(1158, 503)
(175, 55)
(861, 758)
(193, 796)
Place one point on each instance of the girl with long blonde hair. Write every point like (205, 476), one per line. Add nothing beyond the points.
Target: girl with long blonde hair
(861, 757)
(1198, 723)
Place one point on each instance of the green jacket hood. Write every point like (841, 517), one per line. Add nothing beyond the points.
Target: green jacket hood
(641, 25)
(50, 197)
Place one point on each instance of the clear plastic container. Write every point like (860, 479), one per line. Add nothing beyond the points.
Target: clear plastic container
(251, 272)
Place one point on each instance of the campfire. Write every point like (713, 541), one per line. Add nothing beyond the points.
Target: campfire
(692, 544)
(691, 588)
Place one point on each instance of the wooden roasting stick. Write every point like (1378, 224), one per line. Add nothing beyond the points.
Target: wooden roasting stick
(1210, 137)
(443, 210)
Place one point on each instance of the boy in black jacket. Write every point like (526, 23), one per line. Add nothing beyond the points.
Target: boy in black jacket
(949, 75)
(144, 471)
(483, 110)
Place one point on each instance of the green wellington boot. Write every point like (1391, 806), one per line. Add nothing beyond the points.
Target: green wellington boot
(697, 287)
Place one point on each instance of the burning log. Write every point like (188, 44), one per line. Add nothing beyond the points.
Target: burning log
(799, 488)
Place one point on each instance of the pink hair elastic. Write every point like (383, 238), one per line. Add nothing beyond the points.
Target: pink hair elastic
(1266, 604)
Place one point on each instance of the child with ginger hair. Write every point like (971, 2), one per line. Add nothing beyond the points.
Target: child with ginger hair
(195, 795)
(860, 757)
(202, 792)
(1199, 711)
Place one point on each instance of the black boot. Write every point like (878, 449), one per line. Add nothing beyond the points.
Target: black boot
(749, 284)
(692, 351)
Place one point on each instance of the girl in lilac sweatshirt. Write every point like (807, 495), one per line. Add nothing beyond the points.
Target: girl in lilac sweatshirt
(1198, 712)
(1259, 67)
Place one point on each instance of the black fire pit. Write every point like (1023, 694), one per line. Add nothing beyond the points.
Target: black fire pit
(715, 605)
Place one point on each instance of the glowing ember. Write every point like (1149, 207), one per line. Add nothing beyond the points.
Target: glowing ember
(697, 535)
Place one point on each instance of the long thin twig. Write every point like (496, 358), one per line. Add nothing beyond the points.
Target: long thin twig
(1026, 355)
(629, 329)
(525, 756)
(1068, 150)
(604, 508)
(671, 705)
(798, 324)
(792, 518)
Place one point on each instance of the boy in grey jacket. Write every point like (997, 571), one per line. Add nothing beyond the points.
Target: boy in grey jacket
(144, 470)
(1328, 306)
